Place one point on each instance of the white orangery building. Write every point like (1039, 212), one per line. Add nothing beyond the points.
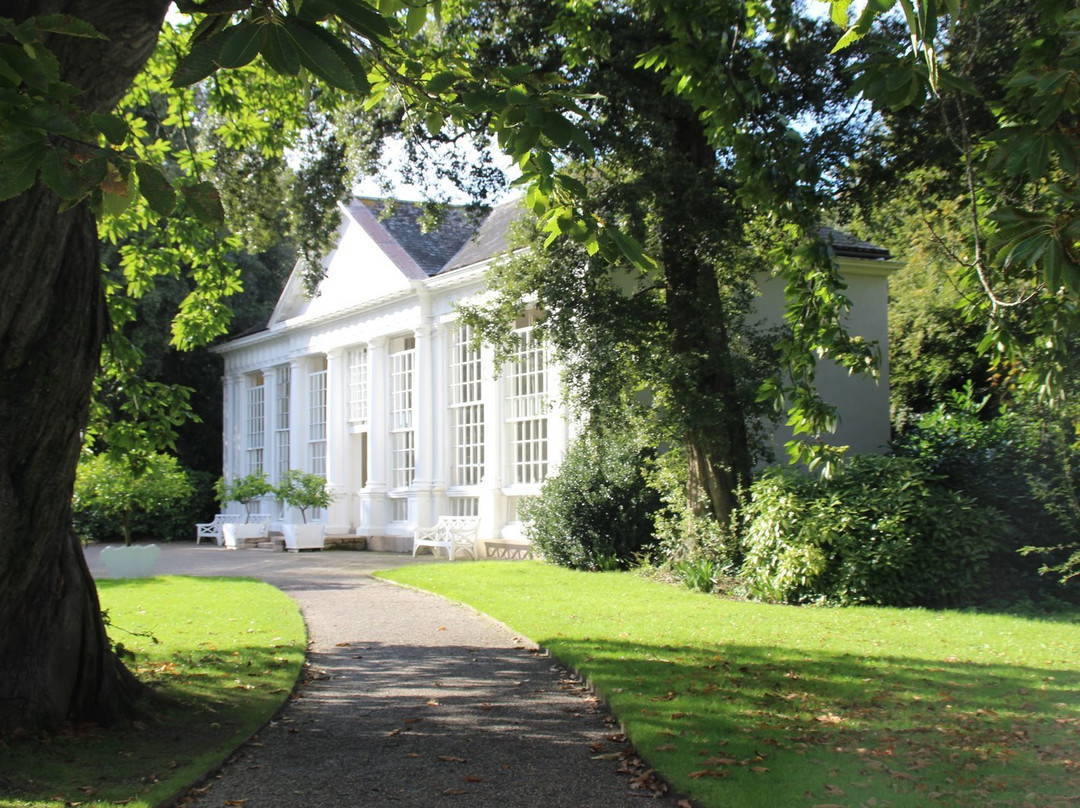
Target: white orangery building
(375, 385)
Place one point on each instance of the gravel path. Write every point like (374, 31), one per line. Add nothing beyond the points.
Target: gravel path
(412, 701)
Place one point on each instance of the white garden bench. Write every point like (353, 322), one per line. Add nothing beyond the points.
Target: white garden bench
(452, 533)
(212, 530)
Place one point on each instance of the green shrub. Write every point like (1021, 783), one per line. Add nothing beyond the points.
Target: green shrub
(134, 496)
(597, 511)
(883, 531)
(700, 574)
(1021, 465)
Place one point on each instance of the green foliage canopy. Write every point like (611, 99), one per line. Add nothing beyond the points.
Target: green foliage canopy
(118, 488)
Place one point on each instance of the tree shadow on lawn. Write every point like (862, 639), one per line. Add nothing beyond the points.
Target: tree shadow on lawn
(200, 702)
(763, 724)
(190, 720)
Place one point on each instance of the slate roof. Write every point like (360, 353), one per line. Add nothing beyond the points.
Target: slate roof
(492, 237)
(458, 241)
(429, 248)
(851, 247)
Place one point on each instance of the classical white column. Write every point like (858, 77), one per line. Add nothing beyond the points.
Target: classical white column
(298, 413)
(232, 430)
(337, 517)
(270, 457)
(373, 501)
(492, 502)
(425, 379)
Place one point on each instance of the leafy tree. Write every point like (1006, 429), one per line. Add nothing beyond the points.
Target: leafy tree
(1004, 81)
(988, 93)
(302, 490)
(661, 175)
(120, 487)
(245, 490)
(67, 162)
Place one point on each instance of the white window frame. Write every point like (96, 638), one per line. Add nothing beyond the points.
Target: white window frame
(526, 407)
(466, 409)
(255, 420)
(282, 436)
(317, 422)
(402, 432)
(358, 385)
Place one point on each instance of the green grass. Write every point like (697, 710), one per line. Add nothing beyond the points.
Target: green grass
(228, 652)
(749, 704)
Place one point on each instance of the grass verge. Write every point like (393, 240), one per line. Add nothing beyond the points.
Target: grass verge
(750, 704)
(223, 652)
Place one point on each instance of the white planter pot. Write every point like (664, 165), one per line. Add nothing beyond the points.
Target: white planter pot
(136, 561)
(236, 534)
(309, 536)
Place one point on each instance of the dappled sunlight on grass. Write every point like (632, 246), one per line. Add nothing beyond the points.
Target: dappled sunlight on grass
(221, 654)
(747, 704)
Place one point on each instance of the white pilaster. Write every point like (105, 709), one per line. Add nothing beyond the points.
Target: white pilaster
(337, 445)
(492, 503)
(298, 413)
(374, 507)
(270, 457)
(425, 379)
(232, 426)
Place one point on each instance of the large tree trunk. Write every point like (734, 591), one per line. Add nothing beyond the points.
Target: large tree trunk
(55, 659)
(704, 387)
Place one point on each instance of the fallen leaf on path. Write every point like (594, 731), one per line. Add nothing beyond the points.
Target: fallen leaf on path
(452, 759)
(468, 778)
(455, 792)
(413, 720)
(341, 645)
(235, 802)
(433, 703)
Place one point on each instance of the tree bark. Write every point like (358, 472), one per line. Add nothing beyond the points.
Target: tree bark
(56, 663)
(704, 388)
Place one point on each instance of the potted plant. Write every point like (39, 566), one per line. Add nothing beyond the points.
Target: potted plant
(246, 490)
(303, 490)
(117, 488)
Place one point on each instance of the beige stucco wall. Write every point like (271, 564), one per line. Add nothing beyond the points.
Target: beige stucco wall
(862, 402)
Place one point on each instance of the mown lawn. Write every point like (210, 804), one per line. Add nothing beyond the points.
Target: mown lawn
(749, 704)
(221, 653)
